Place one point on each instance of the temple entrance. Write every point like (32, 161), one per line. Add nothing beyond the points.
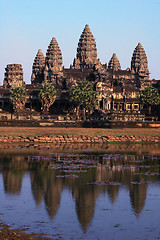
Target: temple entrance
(101, 103)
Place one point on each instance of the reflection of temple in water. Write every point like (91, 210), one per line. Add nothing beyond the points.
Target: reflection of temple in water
(12, 182)
(113, 192)
(46, 186)
(85, 205)
(114, 168)
(12, 172)
(53, 195)
(85, 197)
(138, 194)
(39, 185)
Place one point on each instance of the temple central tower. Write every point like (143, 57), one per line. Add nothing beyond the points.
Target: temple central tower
(86, 50)
(139, 63)
(53, 63)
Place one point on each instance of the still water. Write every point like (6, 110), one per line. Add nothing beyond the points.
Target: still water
(107, 192)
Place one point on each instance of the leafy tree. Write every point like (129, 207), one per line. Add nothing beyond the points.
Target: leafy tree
(150, 96)
(18, 98)
(83, 95)
(47, 96)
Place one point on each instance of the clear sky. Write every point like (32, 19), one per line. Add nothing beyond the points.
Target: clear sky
(117, 25)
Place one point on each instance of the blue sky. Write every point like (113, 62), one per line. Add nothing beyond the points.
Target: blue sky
(117, 25)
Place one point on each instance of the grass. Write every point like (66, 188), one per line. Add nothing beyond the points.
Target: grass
(40, 131)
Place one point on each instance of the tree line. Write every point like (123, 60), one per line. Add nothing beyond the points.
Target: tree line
(82, 95)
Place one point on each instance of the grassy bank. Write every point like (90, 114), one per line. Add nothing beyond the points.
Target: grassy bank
(39, 131)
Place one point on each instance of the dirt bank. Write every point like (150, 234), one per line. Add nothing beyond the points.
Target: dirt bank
(18, 234)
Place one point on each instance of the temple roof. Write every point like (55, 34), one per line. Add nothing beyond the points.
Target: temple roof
(114, 63)
(86, 51)
(53, 55)
(139, 63)
(37, 68)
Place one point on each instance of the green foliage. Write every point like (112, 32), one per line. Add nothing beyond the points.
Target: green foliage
(18, 97)
(84, 95)
(47, 96)
(150, 96)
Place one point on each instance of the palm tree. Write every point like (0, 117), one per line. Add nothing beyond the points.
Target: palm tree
(18, 98)
(47, 96)
(83, 95)
(150, 96)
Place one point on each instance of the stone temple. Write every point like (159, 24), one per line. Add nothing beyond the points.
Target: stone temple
(139, 64)
(86, 50)
(114, 63)
(13, 76)
(53, 63)
(38, 68)
(118, 90)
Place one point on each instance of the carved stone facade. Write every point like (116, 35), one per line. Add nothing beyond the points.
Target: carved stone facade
(53, 70)
(114, 63)
(38, 68)
(13, 76)
(139, 63)
(117, 94)
(86, 50)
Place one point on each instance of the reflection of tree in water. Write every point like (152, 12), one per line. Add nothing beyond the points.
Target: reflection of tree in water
(138, 194)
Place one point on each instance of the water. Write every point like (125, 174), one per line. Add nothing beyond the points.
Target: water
(111, 192)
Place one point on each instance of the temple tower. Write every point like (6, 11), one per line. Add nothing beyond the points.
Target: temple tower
(114, 63)
(139, 63)
(38, 68)
(86, 51)
(53, 63)
(13, 76)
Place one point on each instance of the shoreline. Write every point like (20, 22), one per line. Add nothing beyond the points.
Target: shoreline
(20, 234)
(53, 139)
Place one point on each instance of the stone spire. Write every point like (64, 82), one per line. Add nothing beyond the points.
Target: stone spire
(13, 76)
(53, 62)
(38, 68)
(114, 63)
(86, 51)
(139, 63)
